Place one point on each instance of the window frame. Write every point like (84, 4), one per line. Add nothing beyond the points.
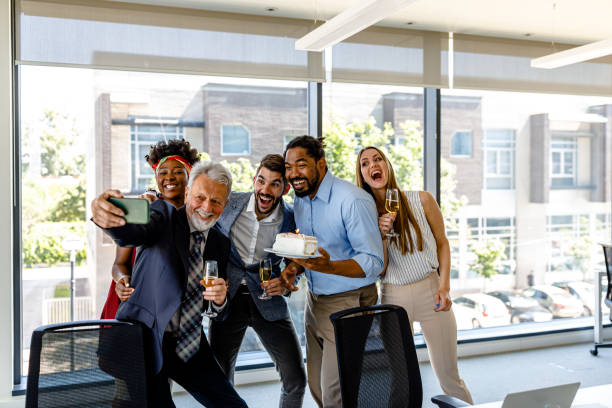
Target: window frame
(497, 150)
(562, 151)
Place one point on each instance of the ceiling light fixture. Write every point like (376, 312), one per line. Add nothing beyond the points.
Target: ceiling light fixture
(574, 55)
(349, 22)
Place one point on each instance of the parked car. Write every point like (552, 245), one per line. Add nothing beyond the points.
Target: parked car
(583, 291)
(480, 310)
(557, 301)
(522, 309)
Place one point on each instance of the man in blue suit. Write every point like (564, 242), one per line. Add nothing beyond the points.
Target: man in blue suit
(168, 297)
(251, 221)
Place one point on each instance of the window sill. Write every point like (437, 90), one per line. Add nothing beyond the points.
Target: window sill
(585, 187)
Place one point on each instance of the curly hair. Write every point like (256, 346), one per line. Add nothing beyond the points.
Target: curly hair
(173, 147)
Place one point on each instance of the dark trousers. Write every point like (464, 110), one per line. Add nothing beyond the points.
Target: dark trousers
(201, 376)
(278, 337)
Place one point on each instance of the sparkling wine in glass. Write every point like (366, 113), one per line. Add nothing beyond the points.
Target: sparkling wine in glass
(265, 274)
(392, 206)
(211, 272)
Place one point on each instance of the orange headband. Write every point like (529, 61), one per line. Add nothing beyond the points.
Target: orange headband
(177, 158)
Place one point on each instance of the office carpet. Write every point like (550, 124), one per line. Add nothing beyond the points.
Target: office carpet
(489, 378)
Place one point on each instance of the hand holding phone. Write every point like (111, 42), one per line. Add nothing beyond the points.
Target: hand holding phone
(136, 209)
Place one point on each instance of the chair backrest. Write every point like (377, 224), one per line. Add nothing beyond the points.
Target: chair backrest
(94, 363)
(377, 360)
(607, 248)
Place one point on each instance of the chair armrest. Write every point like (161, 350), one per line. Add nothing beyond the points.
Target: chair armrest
(446, 401)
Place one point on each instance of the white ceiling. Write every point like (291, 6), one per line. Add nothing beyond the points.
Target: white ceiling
(572, 21)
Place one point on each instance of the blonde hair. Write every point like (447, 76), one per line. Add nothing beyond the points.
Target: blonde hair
(405, 218)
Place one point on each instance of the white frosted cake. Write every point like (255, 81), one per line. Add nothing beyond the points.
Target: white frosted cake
(290, 243)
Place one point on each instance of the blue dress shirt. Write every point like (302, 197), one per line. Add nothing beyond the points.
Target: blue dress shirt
(343, 218)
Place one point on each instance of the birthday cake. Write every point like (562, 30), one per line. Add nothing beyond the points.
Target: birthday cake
(290, 243)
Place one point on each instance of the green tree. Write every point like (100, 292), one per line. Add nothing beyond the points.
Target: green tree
(71, 207)
(242, 172)
(580, 251)
(59, 155)
(489, 254)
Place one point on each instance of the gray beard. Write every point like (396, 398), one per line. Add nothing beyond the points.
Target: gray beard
(200, 225)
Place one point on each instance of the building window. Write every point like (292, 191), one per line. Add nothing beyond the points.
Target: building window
(499, 150)
(143, 136)
(563, 154)
(235, 139)
(461, 144)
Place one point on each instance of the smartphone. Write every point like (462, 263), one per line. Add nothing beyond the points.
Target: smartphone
(136, 209)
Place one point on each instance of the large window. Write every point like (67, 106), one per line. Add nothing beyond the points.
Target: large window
(535, 217)
(86, 130)
(390, 117)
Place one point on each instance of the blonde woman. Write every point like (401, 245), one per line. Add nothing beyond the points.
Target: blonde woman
(412, 259)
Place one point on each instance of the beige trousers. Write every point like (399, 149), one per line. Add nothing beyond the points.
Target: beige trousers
(321, 361)
(439, 330)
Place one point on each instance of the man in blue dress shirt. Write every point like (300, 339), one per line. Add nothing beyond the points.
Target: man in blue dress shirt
(344, 220)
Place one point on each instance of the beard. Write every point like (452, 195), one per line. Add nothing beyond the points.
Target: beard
(275, 203)
(198, 223)
(311, 185)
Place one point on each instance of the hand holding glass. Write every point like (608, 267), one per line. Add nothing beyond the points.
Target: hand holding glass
(265, 274)
(211, 272)
(392, 206)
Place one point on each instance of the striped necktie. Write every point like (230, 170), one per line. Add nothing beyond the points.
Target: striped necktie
(190, 326)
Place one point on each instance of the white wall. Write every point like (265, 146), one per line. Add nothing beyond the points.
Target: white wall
(6, 185)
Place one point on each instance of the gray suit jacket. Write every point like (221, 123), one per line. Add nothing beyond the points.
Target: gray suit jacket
(275, 308)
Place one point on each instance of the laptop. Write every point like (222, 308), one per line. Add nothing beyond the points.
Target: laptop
(560, 396)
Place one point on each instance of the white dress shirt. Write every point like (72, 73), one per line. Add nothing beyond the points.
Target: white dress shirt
(250, 236)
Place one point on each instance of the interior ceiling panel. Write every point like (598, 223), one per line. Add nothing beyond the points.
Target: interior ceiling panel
(570, 21)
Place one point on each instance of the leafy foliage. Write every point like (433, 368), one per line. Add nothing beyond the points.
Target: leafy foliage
(59, 155)
(42, 244)
(71, 207)
(242, 172)
(489, 254)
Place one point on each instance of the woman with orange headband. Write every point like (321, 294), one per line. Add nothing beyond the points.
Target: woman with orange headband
(172, 162)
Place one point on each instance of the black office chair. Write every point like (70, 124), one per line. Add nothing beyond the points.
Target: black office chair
(94, 363)
(377, 359)
(607, 248)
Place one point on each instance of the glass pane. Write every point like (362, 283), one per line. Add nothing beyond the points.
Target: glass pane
(61, 168)
(389, 117)
(491, 162)
(556, 163)
(568, 163)
(542, 231)
(505, 161)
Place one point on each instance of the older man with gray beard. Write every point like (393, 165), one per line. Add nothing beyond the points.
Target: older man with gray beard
(168, 298)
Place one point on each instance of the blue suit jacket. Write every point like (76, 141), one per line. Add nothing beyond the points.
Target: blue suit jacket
(275, 308)
(159, 275)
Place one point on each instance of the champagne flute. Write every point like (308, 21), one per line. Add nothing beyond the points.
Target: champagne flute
(265, 274)
(392, 206)
(211, 272)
